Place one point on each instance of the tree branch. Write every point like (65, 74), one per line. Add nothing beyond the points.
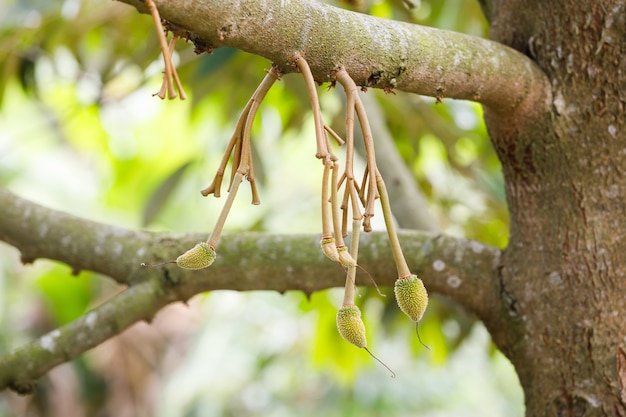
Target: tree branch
(20, 369)
(376, 52)
(464, 270)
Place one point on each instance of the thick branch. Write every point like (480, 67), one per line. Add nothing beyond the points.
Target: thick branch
(376, 52)
(459, 268)
(464, 270)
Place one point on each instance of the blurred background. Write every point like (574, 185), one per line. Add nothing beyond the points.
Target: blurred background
(81, 132)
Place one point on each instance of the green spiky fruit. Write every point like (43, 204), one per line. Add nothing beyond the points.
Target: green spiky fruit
(411, 296)
(351, 326)
(198, 257)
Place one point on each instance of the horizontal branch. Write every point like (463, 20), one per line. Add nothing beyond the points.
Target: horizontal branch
(376, 52)
(464, 270)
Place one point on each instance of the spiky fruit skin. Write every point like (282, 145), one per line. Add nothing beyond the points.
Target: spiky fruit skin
(411, 296)
(351, 326)
(198, 257)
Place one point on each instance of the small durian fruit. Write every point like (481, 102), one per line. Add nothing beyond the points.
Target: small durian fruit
(411, 296)
(351, 326)
(199, 257)
(412, 299)
(352, 329)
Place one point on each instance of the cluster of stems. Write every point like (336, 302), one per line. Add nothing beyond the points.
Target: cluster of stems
(358, 198)
(171, 82)
(240, 151)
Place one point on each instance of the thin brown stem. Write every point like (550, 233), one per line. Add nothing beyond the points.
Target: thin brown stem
(348, 174)
(350, 100)
(322, 149)
(344, 211)
(334, 134)
(246, 168)
(334, 204)
(235, 145)
(256, 199)
(350, 287)
(326, 221)
(352, 188)
(256, 99)
(236, 162)
(167, 88)
(354, 103)
(216, 233)
(398, 256)
(165, 85)
(235, 140)
(372, 192)
(328, 242)
(179, 86)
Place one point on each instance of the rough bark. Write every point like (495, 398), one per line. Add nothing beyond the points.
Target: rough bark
(563, 271)
(376, 52)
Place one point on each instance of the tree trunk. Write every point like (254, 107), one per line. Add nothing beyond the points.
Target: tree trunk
(562, 274)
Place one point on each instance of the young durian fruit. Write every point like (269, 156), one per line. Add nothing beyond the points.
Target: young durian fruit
(412, 299)
(199, 257)
(351, 326)
(411, 296)
(352, 329)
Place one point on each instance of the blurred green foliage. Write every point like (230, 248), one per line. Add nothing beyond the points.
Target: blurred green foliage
(80, 132)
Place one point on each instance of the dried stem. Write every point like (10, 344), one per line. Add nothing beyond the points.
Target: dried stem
(344, 211)
(350, 187)
(326, 220)
(167, 88)
(353, 102)
(370, 152)
(216, 185)
(179, 85)
(328, 242)
(322, 148)
(334, 134)
(334, 203)
(237, 141)
(239, 145)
